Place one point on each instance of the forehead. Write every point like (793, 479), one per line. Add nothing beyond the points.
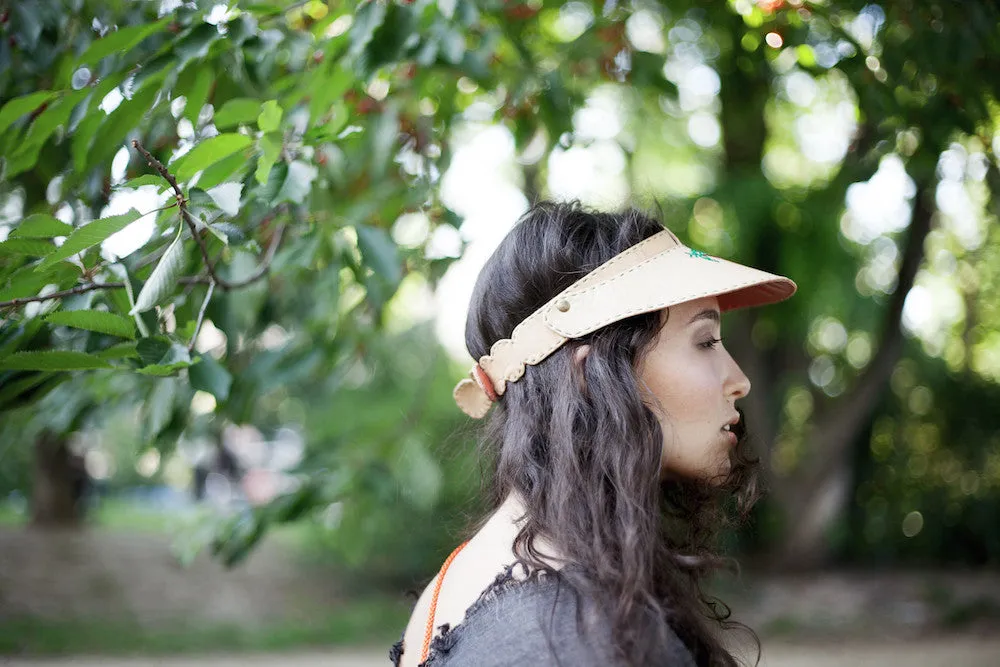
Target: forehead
(679, 316)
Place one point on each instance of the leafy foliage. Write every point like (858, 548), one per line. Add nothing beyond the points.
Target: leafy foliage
(277, 143)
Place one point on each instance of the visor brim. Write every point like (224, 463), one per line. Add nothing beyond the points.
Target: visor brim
(674, 276)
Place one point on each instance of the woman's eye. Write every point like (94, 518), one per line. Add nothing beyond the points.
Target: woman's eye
(709, 344)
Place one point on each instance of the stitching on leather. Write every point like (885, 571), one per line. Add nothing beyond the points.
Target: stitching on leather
(508, 342)
(622, 257)
(604, 282)
(475, 410)
(517, 371)
(625, 272)
(538, 357)
(652, 307)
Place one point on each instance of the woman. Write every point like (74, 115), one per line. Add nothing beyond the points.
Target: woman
(614, 442)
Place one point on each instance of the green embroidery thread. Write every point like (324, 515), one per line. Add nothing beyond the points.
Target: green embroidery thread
(701, 255)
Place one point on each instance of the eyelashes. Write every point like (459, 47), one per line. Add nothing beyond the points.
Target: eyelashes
(710, 343)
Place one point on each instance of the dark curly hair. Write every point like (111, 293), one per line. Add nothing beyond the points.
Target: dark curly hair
(576, 441)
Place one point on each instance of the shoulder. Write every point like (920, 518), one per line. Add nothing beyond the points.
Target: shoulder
(542, 620)
(523, 621)
(413, 634)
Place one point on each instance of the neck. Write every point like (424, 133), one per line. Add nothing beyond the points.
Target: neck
(506, 522)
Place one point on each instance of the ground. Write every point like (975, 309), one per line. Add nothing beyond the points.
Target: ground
(92, 592)
(941, 652)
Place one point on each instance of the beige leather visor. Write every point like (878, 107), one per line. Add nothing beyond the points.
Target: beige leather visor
(651, 275)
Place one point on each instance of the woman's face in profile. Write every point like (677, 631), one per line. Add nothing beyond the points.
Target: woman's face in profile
(692, 385)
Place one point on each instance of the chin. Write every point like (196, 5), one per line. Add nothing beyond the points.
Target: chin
(715, 474)
(720, 472)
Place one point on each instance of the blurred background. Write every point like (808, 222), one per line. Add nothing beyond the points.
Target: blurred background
(237, 243)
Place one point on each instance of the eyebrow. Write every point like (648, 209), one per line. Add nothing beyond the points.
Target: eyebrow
(709, 314)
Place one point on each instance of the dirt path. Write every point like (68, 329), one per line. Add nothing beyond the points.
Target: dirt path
(939, 652)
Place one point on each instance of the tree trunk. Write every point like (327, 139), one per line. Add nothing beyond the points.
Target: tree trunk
(58, 483)
(816, 494)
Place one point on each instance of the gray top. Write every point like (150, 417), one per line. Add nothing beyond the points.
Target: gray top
(532, 622)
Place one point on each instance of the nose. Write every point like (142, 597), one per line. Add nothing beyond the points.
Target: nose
(737, 384)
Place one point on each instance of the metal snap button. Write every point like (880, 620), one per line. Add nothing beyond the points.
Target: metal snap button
(562, 305)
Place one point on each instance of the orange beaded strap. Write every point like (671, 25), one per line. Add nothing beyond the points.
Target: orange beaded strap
(434, 602)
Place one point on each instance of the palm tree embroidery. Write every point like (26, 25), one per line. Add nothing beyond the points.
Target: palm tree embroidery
(702, 255)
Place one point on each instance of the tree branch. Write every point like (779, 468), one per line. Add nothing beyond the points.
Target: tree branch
(79, 289)
(838, 427)
(185, 214)
(265, 265)
(213, 277)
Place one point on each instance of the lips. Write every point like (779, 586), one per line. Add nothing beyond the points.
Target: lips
(728, 429)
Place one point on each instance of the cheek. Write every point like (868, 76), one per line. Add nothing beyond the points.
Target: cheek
(686, 390)
(685, 398)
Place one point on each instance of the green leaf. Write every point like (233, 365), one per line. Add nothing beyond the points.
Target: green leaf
(211, 376)
(19, 335)
(236, 111)
(236, 539)
(230, 169)
(195, 44)
(158, 69)
(124, 300)
(164, 370)
(19, 106)
(55, 115)
(264, 10)
(161, 356)
(209, 152)
(367, 18)
(328, 87)
(176, 358)
(269, 119)
(294, 505)
(94, 320)
(270, 148)
(452, 44)
(51, 360)
(29, 20)
(120, 41)
(84, 131)
(227, 233)
(83, 138)
(383, 136)
(298, 183)
(88, 236)
(23, 385)
(158, 407)
(27, 282)
(163, 280)
(144, 180)
(198, 94)
(123, 350)
(227, 197)
(245, 25)
(28, 247)
(152, 349)
(339, 116)
(122, 121)
(379, 252)
(41, 226)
